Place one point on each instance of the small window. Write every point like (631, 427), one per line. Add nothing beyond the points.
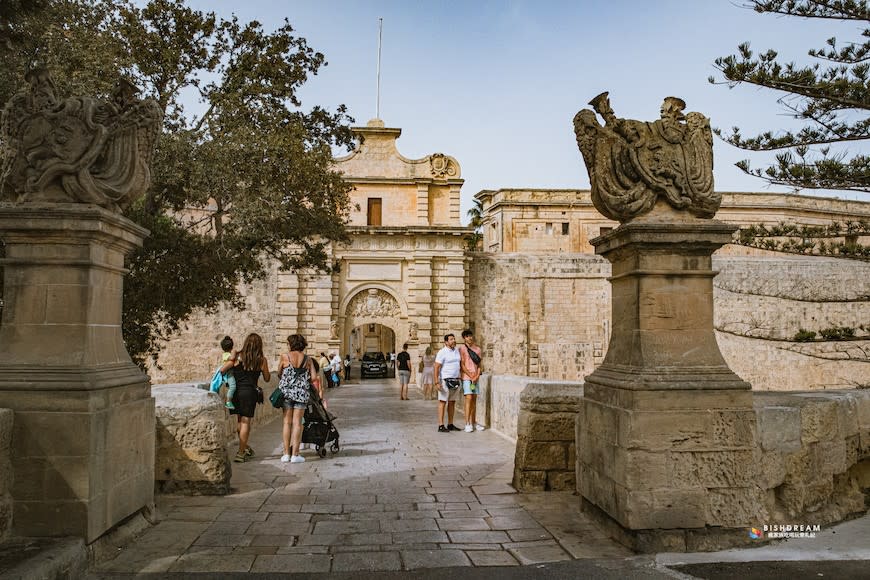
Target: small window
(373, 214)
(564, 228)
(603, 231)
(549, 229)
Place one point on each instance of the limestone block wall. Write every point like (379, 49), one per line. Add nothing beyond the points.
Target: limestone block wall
(6, 418)
(546, 444)
(193, 352)
(500, 400)
(814, 454)
(545, 316)
(761, 302)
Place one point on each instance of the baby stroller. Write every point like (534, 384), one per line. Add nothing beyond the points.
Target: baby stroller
(318, 428)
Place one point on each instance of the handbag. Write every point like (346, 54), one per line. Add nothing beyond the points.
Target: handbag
(276, 398)
(475, 358)
(420, 367)
(452, 384)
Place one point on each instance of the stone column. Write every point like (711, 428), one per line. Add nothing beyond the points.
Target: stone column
(83, 441)
(667, 431)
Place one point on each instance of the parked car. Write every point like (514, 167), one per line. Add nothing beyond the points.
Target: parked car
(374, 364)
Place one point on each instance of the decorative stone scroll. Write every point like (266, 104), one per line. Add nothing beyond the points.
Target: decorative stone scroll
(374, 303)
(633, 163)
(442, 166)
(79, 149)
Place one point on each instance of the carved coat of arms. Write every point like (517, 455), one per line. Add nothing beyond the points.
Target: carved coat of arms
(79, 149)
(633, 163)
(441, 166)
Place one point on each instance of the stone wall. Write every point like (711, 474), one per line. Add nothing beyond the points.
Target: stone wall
(549, 317)
(761, 302)
(814, 455)
(544, 316)
(6, 418)
(193, 352)
(546, 443)
(190, 447)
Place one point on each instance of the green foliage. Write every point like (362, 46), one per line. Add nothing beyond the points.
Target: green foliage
(837, 333)
(804, 335)
(832, 100)
(475, 215)
(245, 178)
(837, 240)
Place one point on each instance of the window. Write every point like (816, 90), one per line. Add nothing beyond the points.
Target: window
(603, 231)
(549, 229)
(373, 215)
(564, 228)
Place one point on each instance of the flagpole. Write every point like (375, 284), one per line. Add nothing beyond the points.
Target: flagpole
(378, 101)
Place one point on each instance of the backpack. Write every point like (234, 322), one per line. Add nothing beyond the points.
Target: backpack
(295, 382)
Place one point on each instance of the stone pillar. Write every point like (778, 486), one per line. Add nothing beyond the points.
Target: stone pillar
(666, 434)
(83, 440)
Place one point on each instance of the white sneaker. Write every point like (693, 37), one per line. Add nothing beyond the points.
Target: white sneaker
(297, 459)
(469, 428)
(479, 427)
(285, 458)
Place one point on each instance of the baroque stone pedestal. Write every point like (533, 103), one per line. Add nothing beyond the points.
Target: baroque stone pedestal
(666, 434)
(83, 441)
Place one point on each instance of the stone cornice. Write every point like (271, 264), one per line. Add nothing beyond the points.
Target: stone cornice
(730, 200)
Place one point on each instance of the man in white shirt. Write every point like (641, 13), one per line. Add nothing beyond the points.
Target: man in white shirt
(447, 375)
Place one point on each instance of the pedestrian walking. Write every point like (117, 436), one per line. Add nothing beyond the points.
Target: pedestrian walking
(403, 360)
(347, 367)
(247, 368)
(296, 371)
(427, 375)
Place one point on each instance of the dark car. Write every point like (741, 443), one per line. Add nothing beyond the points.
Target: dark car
(374, 364)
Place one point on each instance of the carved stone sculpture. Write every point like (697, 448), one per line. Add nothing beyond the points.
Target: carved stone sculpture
(412, 331)
(633, 163)
(441, 166)
(374, 303)
(79, 149)
(333, 329)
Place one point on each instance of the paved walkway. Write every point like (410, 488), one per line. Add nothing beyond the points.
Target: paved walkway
(398, 496)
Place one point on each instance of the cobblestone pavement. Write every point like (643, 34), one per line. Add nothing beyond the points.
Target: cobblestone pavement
(398, 496)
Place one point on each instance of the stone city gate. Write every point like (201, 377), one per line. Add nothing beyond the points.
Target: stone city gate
(366, 306)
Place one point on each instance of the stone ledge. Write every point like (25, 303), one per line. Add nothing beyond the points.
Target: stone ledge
(190, 454)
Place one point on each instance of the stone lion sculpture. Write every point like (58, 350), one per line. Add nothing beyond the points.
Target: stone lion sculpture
(79, 149)
(632, 164)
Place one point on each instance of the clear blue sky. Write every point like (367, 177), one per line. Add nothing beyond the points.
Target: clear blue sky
(496, 83)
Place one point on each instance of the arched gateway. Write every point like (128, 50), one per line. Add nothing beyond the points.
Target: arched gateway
(403, 275)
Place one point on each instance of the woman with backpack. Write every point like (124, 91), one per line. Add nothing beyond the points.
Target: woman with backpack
(296, 371)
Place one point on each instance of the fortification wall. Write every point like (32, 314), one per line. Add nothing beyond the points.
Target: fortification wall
(193, 352)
